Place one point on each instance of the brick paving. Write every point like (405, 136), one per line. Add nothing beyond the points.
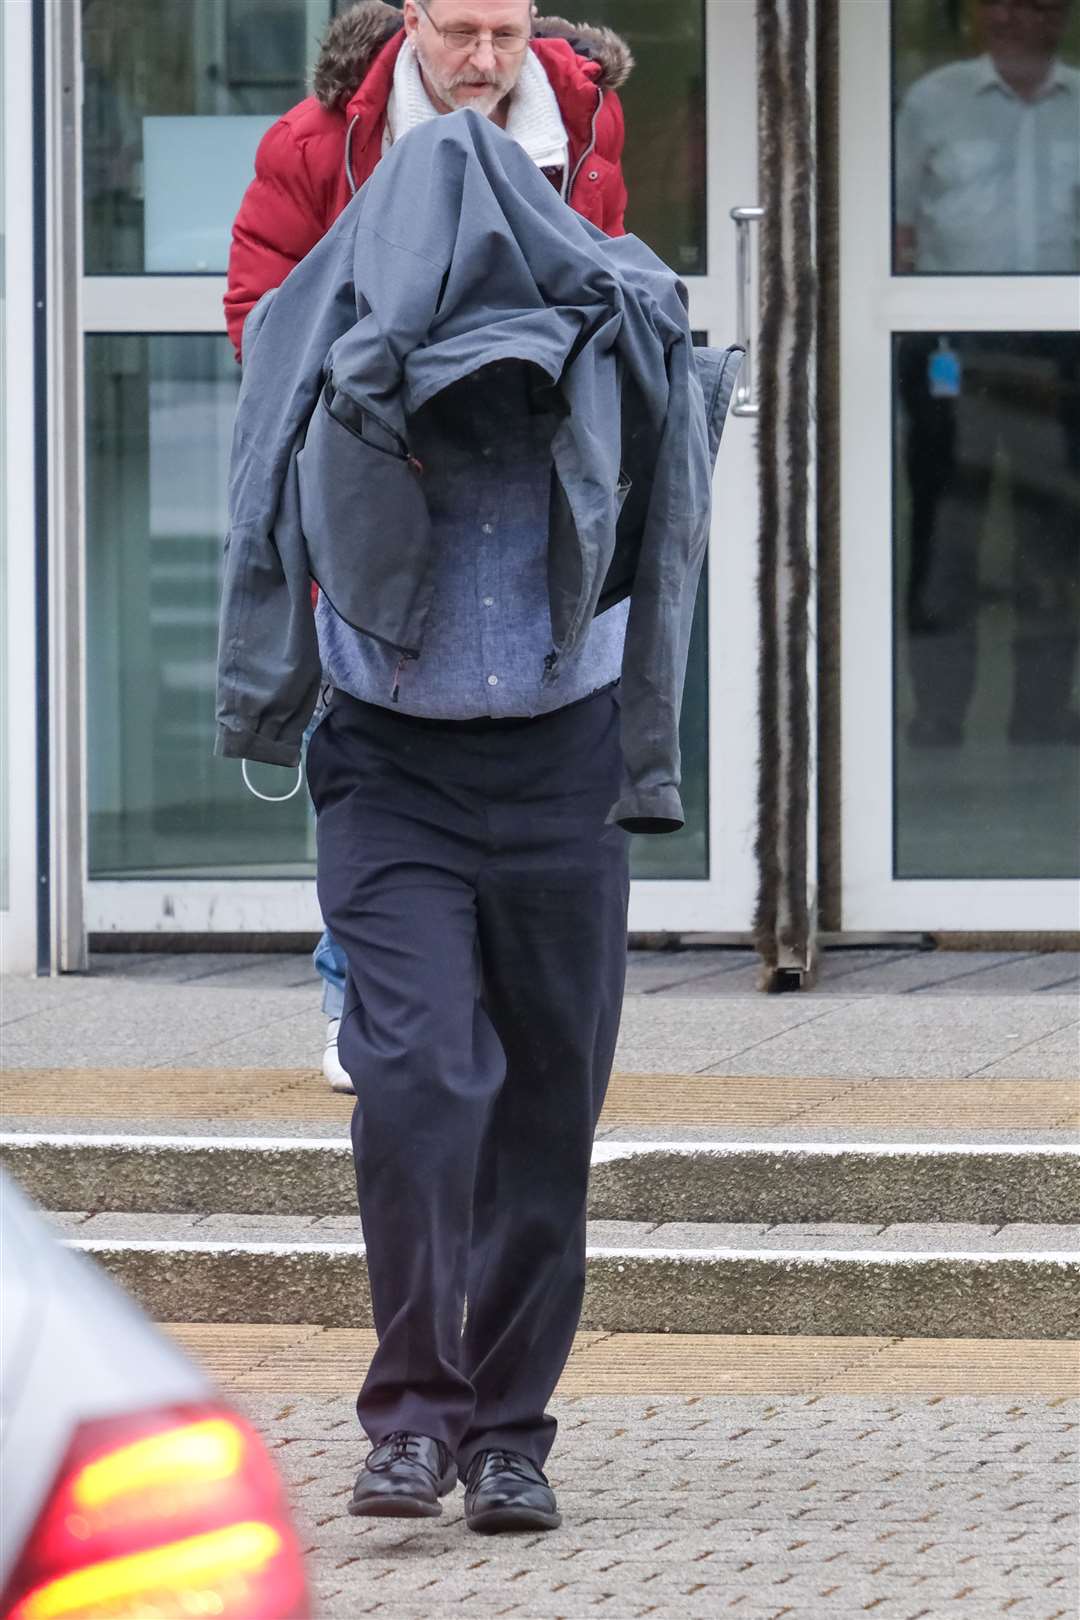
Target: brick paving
(768, 1508)
(773, 1479)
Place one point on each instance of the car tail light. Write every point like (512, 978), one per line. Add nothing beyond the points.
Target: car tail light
(172, 1514)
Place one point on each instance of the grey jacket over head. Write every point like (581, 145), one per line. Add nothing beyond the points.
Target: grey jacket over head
(457, 254)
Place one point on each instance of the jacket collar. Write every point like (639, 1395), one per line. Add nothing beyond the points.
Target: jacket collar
(987, 77)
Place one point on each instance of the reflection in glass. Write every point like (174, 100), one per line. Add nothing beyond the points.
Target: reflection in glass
(987, 137)
(230, 67)
(664, 103)
(176, 98)
(159, 414)
(987, 546)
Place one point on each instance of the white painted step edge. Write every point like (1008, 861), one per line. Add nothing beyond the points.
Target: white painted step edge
(690, 1256)
(603, 1152)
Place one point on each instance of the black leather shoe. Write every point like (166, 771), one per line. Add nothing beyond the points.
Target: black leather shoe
(403, 1478)
(505, 1491)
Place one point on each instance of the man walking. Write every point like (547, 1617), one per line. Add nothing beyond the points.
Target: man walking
(481, 425)
(380, 73)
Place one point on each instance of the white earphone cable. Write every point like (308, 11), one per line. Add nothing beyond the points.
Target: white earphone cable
(280, 798)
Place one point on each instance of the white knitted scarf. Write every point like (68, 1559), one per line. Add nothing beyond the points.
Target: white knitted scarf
(534, 120)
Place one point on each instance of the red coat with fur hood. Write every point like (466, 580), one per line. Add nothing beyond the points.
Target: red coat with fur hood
(306, 161)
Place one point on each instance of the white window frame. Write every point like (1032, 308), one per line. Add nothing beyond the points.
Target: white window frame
(873, 305)
(722, 902)
(18, 923)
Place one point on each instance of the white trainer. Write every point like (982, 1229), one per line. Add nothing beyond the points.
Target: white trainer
(331, 1063)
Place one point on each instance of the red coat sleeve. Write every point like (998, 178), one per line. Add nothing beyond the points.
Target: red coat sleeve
(278, 223)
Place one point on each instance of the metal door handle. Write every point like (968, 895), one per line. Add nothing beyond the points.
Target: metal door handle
(744, 403)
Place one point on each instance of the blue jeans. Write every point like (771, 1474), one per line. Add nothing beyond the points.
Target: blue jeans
(329, 960)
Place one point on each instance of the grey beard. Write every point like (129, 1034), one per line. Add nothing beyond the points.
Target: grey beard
(447, 93)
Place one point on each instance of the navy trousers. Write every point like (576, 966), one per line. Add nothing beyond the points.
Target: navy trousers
(466, 870)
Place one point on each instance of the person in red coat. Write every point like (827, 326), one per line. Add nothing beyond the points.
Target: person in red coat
(310, 163)
(550, 84)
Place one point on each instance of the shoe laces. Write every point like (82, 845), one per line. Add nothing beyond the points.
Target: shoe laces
(402, 1446)
(507, 1462)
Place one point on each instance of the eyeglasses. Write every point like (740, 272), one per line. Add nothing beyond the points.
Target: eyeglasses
(505, 41)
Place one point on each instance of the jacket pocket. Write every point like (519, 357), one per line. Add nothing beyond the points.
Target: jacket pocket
(365, 521)
(592, 188)
(363, 424)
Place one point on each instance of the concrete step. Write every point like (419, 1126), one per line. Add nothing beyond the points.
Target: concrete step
(643, 1180)
(932, 1281)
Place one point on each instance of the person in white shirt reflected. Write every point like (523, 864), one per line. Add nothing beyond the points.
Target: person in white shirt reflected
(987, 182)
(988, 153)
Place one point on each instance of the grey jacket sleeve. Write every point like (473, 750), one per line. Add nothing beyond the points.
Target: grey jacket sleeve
(665, 590)
(268, 657)
(268, 653)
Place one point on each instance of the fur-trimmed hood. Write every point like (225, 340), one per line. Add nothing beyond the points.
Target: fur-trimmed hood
(356, 37)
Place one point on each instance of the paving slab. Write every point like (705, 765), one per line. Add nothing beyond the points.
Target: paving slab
(659, 972)
(183, 966)
(22, 997)
(805, 1507)
(665, 1033)
(1042, 971)
(877, 972)
(743, 979)
(264, 1011)
(1058, 1053)
(141, 1023)
(913, 1036)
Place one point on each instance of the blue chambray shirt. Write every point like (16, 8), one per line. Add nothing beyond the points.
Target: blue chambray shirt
(485, 447)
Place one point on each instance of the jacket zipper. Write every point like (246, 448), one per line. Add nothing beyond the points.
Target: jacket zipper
(589, 150)
(395, 690)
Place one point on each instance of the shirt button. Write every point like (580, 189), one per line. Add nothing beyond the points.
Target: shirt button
(493, 680)
(488, 528)
(489, 601)
(594, 174)
(487, 451)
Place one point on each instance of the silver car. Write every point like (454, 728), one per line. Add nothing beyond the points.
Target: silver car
(129, 1489)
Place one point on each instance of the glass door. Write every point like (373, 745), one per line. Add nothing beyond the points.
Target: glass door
(960, 384)
(175, 102)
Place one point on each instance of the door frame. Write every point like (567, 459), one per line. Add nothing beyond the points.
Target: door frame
(722, 902)
(18, 657)
(875, 304)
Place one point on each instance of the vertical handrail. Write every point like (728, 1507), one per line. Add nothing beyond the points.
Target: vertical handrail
(744, 403)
